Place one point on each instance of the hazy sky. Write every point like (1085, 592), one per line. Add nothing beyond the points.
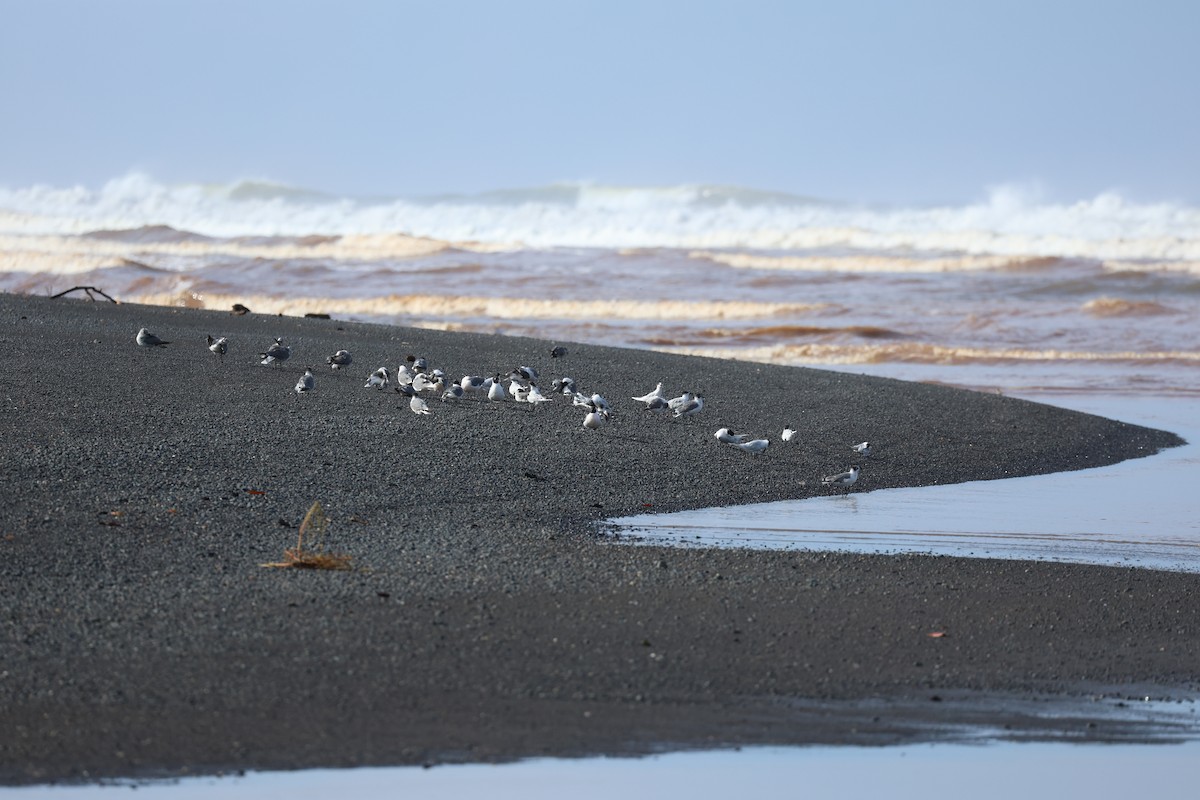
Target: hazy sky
(917, 102)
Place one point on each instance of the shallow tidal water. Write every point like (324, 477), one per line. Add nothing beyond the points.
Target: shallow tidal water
(921, 772)
(1135, 513)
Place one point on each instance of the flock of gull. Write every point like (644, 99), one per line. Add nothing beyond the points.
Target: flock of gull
(416, 381)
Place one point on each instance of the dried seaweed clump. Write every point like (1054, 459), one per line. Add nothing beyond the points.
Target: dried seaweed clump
(309, 552)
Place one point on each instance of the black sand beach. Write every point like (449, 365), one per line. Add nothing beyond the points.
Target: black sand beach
(487, 615)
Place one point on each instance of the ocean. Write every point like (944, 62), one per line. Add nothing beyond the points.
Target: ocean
(1008, 294)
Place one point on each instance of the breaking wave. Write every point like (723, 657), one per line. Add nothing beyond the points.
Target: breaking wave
(926, 353)
(449, 306)
(1006, 223)
(1118, 307)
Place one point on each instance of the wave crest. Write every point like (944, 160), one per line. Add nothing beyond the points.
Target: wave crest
(1007, 223)
(1119, 307)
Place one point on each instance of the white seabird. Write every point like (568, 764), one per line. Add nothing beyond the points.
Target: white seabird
(658, 404)
(519, 393)
(527, 373)
(341, 358)
(564, 385)
(862, 448)
(753, 446)
(729, 437)
(657, 394)
(594, 420)
(147, 339)
(218, 346)
(842, 478)
(473, 383)
(276, 354)
(421, 382)
(496, 390)
(676, 403)
(788, 434)
(307, 382)
(379, 379)
(418, 405)
(690, 408)
(455, 392)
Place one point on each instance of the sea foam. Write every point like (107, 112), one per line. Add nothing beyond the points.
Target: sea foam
(1006, 223)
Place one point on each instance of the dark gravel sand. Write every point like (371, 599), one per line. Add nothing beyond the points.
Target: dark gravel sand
(487, 616)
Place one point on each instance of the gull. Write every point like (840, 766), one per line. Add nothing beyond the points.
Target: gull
(496, 390)
(404, 375)
(657, 394)
(473, 383)
(594, 420)
(520, 393)
(147, 339)
(535, 396)
(658, 404)
(788, 434)
(753, 446)
(581, 400)
(379, 379)
(306, 382)
(341, 358)
(558, 351)
(418, 364)
(564, 384)
(418, 405)
(528, 373)
(599, 402)
(862, 448)
(276, 354)
(842, 478)
(729, 437)
(676, 403)
(439, 385)
(455, 392)
(407, 391)
(690, 408)
(218, 346)
(421, 382)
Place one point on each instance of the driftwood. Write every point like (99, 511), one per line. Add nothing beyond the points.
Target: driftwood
(88, 291)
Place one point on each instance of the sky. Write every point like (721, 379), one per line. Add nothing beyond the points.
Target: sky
(890, 102)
